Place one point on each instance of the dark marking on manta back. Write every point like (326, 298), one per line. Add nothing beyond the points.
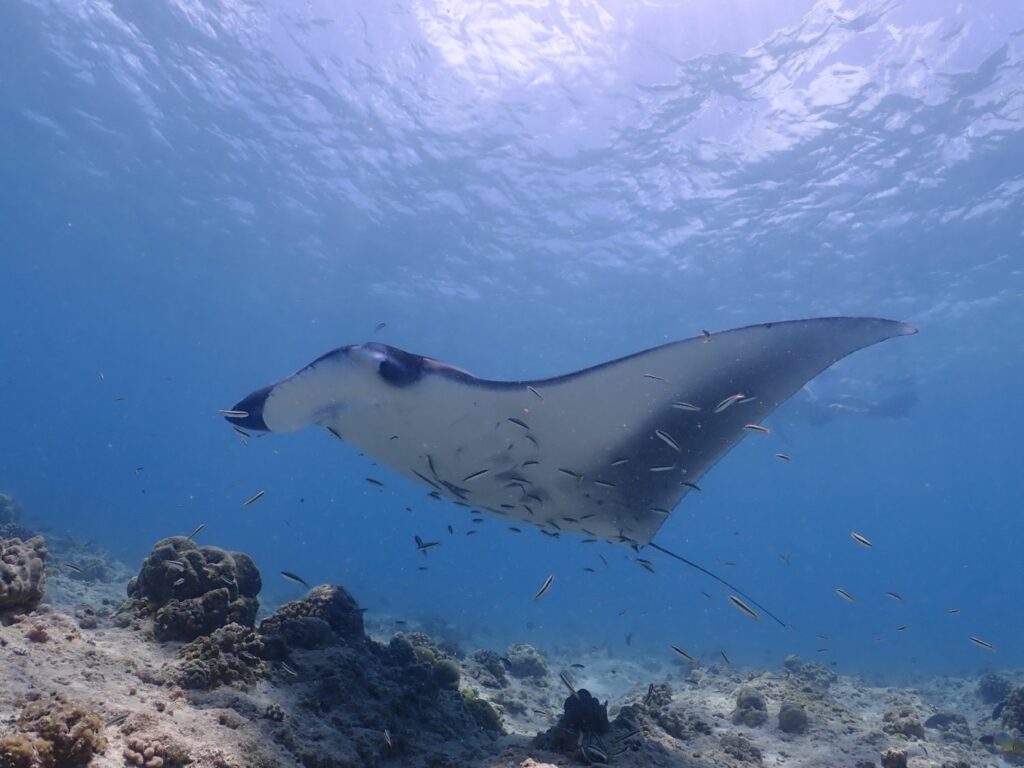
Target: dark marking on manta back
(398, 368)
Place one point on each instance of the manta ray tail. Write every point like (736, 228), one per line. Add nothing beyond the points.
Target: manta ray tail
(719, 579)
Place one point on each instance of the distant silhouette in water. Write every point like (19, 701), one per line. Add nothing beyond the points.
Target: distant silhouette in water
(882, 399)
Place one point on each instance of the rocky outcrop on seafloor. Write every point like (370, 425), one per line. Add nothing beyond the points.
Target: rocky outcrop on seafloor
(810, 673)
(51, 732)
(792, 717)
(903, 721)
(326, 615)
(184, 591)
(751, 707)
(526, 661)
(1013, 710)
(22, 574)
(993, 688)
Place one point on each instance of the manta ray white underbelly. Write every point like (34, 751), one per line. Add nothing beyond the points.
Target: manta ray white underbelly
(608, 451)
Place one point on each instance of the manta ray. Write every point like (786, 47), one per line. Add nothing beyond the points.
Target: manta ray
(608, 451)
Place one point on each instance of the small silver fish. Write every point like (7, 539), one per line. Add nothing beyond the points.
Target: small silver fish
(289, 670)
(757, 428)
(534, 391)
(663, 468)
(845, 595)
(253, 499)
(544, 587)
(860, 539)
(387, 739)
(228, 413)
(895, 596)
(179, 582)
(377, 329)
(744, 607)
(475, 475)
(199, 529)
(176, 565)
(783, 457)
(71, 567)
(656, 378)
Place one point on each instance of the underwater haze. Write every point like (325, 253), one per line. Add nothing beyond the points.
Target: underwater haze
(199, 198)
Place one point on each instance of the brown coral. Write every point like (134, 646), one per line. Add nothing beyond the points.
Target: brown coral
(52, 733)
(326, 615)
(228, 656)
(190, 591)
(22, 574)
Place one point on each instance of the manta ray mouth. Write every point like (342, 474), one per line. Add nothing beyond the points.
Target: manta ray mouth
(252, 406)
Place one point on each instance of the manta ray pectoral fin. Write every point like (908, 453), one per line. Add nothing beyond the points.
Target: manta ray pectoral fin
(610, 450)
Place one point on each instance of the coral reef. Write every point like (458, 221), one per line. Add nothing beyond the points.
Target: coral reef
(894, 758)
(740, 749)
(903, 721)
(22, 574)
(1013, 712)
(190, 591)
(952, 725)
(327, 615)
(230, 655)
(792, 717)
(810, 673)
(487, 668)
(154, 753)
(751, 707)
(52, 733)
(993, 688)
(526, 661)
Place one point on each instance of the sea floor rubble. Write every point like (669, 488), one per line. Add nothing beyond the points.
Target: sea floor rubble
(320, 685)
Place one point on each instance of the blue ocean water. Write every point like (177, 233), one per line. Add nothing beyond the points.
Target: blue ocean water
(198, 198)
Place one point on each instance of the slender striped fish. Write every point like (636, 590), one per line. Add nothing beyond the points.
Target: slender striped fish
(544, 587)
(683, 653)
(730, 400)
(744, 607)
